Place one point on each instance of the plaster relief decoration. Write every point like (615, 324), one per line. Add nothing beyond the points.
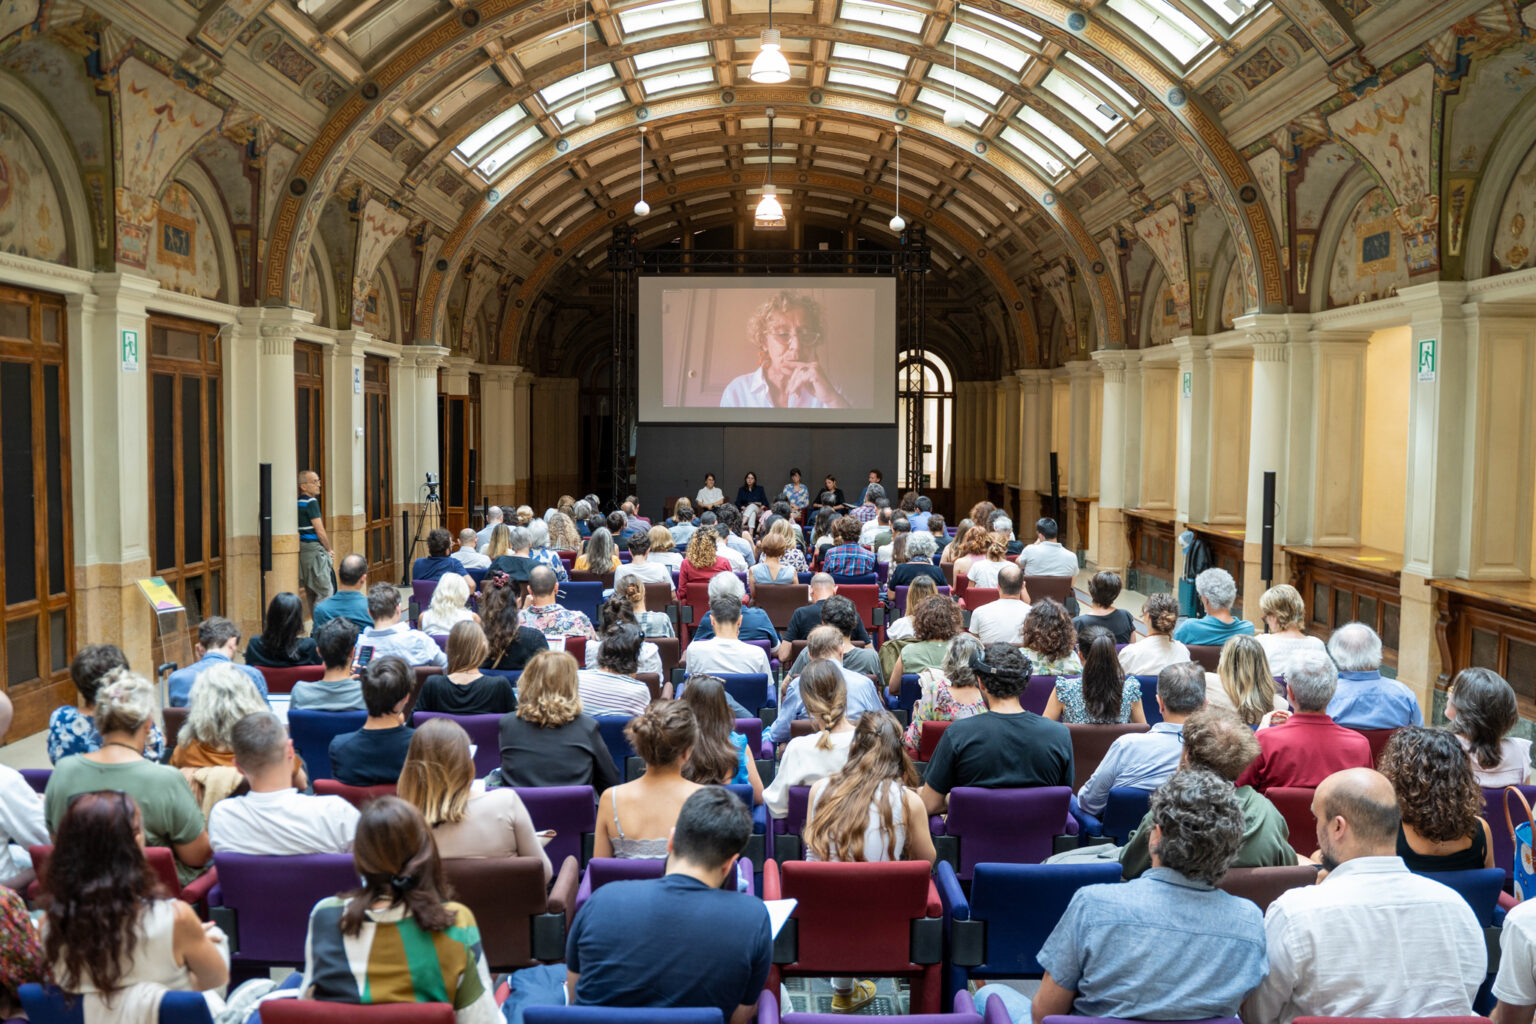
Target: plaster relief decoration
(1325, 167)
(183, 258)
(1458, 195)
(377, 231)
(1111, 253)
(1055, 282)
(160, 121)
(1165, 317)
(1306, 241)
(376, 318)
(311, 298)
(1321, 27)
(1515, 236)
(221, 22)
(31, 217)
(1391, 129)
(1163, 233)
(1368, 263)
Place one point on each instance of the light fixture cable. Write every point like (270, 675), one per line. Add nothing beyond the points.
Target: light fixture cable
(642, 208)
(897, 224)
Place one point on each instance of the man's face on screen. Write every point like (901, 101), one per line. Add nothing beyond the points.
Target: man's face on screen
(790, 338)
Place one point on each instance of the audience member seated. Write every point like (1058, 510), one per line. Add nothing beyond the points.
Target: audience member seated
(438, 562)
(1370, 939)
(827, 643)
(1515, 986)
(1481, 709)
(682, 525)
(663, 735)
(846, 557)
(281, 644)
(449, 607)
(873, 530)
(463, 690)
(755, 624)
(1158, 649)
(468, 554)
(1000, 621)
(702, 563)
(503, 558)
(821, 533)
(724, 652)
(221, 698)
(372, 756)
(1242, 682)
(969, 545)
(808, 617)
(351, 598)
(614, 612)
(1006, 748)
(1049, 641)
(841, 613)
(494, 517)
(652, 623)
(1103, 588)
(718, 944)
(934, 625)
(1284, 615)
(600, 554)
(735, 536)
(1145, 760)
(948, 692)
(169, 813)
(918, 563)
(720, 756)
(805, 759)
(438, 780)
(563, 535)
(793, 540)
(771, 567)
(1366, 700)
(919, 592)
(544, 614)
(549, 741)
(1439, 801)
(664, 551)
(275, 819)
(509, 644)
(1217, 592)
(397, 938)
(640, 565)
(861, 813)
(1215, 741)
(1046, 556)
(1306, 746)
(541, 551)
(1168, 945)
(891, 548)
(110, 926)
(338, 689)
(611, 688)
(982, 572)
(23, 961)
(392, 636)
(1103, 694)
(22, 824)
(217, 641)
(72, 730)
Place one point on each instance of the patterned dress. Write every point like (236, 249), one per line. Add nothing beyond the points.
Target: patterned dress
(72, 731)
(1040, 665)
(1074, 710)
(936, 704)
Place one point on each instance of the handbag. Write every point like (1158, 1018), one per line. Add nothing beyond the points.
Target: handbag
(1522, 833)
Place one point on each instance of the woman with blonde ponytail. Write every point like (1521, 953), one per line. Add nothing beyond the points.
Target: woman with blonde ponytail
(808, 759)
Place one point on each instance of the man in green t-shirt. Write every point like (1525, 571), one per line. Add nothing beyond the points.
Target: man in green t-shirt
(315, 552)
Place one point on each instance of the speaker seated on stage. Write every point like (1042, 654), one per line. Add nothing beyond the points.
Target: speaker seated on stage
(786, 332)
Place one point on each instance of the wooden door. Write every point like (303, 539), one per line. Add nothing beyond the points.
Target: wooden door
(378, 480)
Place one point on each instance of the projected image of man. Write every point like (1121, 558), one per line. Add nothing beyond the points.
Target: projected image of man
(787, 333)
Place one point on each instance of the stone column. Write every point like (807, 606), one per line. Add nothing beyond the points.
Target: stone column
(1500, 443)
(456, 371)
(1034, 442)
(1322, 491)
(522, 433)
(428, 358)
(497, 470)
(276, 445)
(1079, 478)
(342, 497)
(1112, 546)
(1012, 431)
(1131, 492)
(1193, 452)
(1270, 338)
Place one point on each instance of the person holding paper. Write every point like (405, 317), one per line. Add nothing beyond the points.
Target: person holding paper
(786, 330)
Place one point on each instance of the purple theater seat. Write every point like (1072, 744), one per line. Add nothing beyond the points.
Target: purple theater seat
(571, 811)
(623, 1015)
(1038, 693)
(37, 778)
(1006, 826)
(602, 870)
(272, 931)
(484, 732)
(317, 1011)
(421, 593)
(752, 729)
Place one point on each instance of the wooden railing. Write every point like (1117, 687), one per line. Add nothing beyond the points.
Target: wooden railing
(1149, 539)
(1354, 584)
(1226, 544)
(1488, 625)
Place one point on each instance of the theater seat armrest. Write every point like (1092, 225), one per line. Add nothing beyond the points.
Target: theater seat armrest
(950, 891)
(767, 1008)
(197, 890)
(935, 905)
(773, 888)
(562, 895)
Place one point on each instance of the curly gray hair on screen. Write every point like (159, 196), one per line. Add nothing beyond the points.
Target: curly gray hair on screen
(1201, 822)
(1312, 680)
(1217, 587)
(1355, 647)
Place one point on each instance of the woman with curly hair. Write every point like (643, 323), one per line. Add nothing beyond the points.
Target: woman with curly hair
(701, 564)
(548, 741)
(952, 548)
(1158, 649)
(1242, 682)
(983, 571)
(969, 548)
(1440, 801)
(1482, 710)
(934, 625)
(1049, 640)
(562, 532)
(918, 592)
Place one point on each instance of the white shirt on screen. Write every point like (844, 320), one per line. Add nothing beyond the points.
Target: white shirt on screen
(750, 391)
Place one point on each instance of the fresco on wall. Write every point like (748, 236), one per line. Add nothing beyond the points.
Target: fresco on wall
(1325, 168)
(376, 319)
(60, 77)
(1163, 233)
(1164, 326)
(1231, 300)
(1483, 103)
(1515, 235)
(311, 297)
(1055, 282)
(1267, 171)
(379, 228)
(16, 14)
(276, 166)
(1368, 263)
(182, 256)
(31, 216)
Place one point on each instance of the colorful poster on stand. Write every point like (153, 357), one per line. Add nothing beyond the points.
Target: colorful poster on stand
(161, 597)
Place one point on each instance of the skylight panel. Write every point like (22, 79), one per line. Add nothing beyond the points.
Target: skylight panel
(989, 47)
(1064, 140)
(1075, 96)
(1031, 149)
(509, 151)
(1168, 26)
(870, 55)
(566, 116)
(1107, 82)
(486, 133)
(670, 55)
(861, 80)
(977, 12)
(965, 83)
(553, 94)
(875, 13)
(1229, 10)
(677, 80)
(941, 101)
(658, 15)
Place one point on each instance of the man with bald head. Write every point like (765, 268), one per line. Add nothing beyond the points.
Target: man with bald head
(1371, 939)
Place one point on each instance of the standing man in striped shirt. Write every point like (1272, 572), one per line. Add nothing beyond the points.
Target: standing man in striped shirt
(315, 553)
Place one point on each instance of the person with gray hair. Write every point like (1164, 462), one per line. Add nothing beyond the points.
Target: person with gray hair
(540, 551)
(1218, 592)
(1145, 760)
(1305, 746)
(468, 554)
(869, 508)
(1371, 939)
(921, 548)
(1002, 523)
(220, 698)
(755, 624)
(1197, 951)
(948, 692)
(493, 518)
(1365, 699)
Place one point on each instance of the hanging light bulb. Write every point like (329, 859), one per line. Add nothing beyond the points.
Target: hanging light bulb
(769, 215)
(954, 114)
(897, 224)
(642, 208)
(769, 67)
(586, 113)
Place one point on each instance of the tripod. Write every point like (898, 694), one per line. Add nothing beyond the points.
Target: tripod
(432, 511)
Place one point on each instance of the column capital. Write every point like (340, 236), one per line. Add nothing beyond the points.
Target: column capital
(1190, 347)
(1437, 300)
(1033, 376)
(427, 358)
(1010, 383)
(1341, 336)
(1079, 368)
(1112, 362)
(1270, 333)
(129, 293)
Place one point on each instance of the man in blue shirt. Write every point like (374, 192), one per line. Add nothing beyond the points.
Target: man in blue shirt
(1364, 699)
(351, 598)
(919, 520)
(755, 624)
(1218, 592)
(1169, 945)
(438, 560)
(826, 643)
(1145, 760)
(217, 640)
(718, 945)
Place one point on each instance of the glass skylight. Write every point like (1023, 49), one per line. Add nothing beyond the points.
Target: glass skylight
(861, 80)
(670, 55)
(875, 13)
(486, 133)
(553, 94)
(677, 80)
(870, 55)
(1080, 100)
(1031, 149)
(1168, 26)
(974, 87)
(989, 47)
(658, 15)
(977, 12)
(1040, 123)
(509, 151)
(601, 101)
(1098, 76)
(940, 100)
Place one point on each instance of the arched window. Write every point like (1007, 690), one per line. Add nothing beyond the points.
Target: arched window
(938, 404)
